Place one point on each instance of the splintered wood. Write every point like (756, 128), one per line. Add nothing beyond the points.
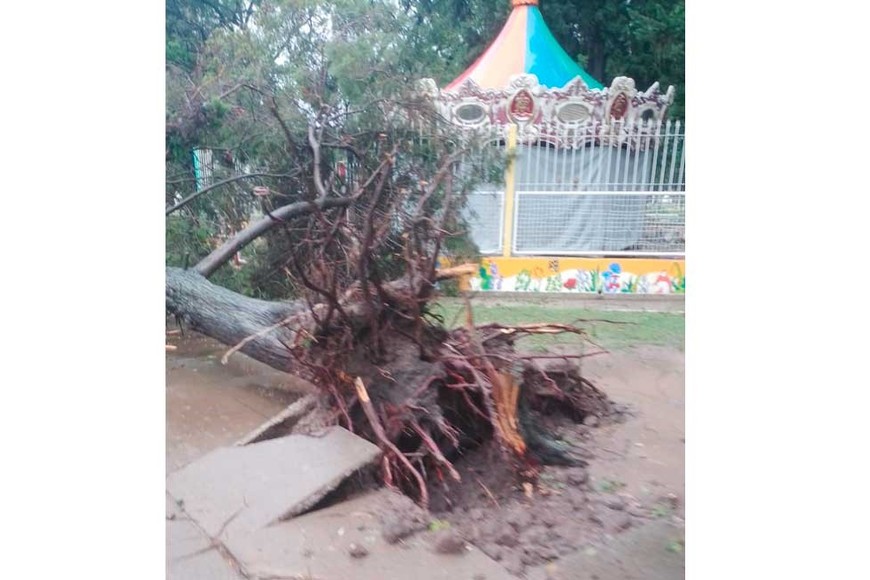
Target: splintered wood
(505, 392)
(505, 395)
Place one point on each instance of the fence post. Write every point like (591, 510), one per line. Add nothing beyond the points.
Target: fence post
(509, 187)
(197, 171)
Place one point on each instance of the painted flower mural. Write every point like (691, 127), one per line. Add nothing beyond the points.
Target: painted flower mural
(485, 282)
(611, 278)
(524, 281)
(489, 277)
(549, 275)
(494, 275)
(662, 284)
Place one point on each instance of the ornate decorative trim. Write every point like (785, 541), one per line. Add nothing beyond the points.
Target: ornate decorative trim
(619, 115)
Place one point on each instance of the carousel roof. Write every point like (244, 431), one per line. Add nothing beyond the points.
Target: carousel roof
(525, 45)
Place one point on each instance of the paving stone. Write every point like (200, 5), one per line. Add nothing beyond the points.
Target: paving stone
(238, 490)
(317, 544)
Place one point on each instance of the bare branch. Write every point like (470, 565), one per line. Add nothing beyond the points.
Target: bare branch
(315, 148)
(205, 190)
(273, 108)
(209, 265)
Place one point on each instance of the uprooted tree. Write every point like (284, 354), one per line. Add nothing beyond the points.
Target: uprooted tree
(359, 204)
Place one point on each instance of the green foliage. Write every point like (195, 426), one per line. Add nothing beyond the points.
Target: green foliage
(641, 39)
(186, 241)
(189, 23)
(445, 36)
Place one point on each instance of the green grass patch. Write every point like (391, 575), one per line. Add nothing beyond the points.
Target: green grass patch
(438, 525)
(661, 511)
(609, 485)
(635, 328)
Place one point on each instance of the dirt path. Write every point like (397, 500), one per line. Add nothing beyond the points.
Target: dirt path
(644, 457)
(643, 462)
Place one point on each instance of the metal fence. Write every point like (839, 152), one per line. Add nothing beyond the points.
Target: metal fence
(485, 214)
(595, 223)
(592, 190)
(213, 165)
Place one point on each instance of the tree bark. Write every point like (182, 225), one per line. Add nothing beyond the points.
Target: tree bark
(230, 317)
(210, 264)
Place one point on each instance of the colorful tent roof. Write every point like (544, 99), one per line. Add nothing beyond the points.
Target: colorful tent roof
(524, 45)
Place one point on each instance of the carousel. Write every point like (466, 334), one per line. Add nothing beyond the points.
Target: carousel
(593, 200)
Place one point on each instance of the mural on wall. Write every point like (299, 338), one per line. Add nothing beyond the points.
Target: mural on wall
(611, 280)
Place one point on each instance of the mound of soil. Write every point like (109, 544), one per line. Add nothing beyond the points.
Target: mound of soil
(522, 524)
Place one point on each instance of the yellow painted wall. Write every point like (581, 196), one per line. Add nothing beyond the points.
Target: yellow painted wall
(540, 266)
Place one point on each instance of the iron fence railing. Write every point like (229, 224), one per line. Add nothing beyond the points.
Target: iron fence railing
(590, 190)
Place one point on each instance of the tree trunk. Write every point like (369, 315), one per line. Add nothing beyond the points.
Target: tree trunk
(230, 317)
(270, 329)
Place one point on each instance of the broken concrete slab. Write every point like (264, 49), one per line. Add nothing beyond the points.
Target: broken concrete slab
(282, 423)
(235, 491)
(346, 540)
(649, 552)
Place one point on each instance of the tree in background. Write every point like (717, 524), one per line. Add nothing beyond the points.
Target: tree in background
(246, 81)
(445, 36)
(641, 39)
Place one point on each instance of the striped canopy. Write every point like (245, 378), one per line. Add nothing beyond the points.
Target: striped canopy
(524, 45)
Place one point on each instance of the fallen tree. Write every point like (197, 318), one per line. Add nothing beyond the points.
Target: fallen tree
(365, 260)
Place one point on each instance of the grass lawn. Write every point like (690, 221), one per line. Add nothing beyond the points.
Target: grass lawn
(655, 328)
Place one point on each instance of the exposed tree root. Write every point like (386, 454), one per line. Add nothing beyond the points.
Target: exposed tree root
(426, 403)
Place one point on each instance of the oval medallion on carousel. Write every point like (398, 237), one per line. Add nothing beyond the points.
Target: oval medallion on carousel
(522, 106)
(619, 107)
